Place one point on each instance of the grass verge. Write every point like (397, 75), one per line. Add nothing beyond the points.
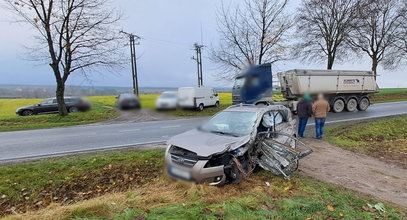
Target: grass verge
(148, 101)
(390, 95)
(384, 138)
(9, 121)
(151, 195)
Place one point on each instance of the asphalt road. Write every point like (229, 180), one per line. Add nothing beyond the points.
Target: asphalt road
(32, 144)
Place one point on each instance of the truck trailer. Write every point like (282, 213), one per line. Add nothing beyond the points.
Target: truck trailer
(344, 89)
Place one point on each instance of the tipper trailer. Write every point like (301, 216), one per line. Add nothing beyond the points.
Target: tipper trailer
(344, 89)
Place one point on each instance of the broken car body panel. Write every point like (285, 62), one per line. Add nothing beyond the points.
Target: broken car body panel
(205, 144)
(228, 147)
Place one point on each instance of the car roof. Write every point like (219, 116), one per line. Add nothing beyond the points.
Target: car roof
(66, 97)
(255, 108)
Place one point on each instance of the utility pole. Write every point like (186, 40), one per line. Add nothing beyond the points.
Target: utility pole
(198, 58)
(133, 44)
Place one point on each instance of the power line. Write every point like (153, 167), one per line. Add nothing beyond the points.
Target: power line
(133, 44)
(198, 58)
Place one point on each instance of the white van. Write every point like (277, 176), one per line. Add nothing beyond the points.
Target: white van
(197, 97)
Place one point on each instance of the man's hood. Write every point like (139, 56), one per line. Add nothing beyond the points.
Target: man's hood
(205, 143)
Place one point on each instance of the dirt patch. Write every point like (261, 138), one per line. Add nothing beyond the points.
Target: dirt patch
(142, 115)
(357, 172)
(387, 97)
(107, 179)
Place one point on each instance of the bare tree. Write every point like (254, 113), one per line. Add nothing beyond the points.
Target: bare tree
(379, 25)
(73, 35)
(253, 34)
(323, 28)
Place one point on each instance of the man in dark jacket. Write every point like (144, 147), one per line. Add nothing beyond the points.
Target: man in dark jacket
(304, 110)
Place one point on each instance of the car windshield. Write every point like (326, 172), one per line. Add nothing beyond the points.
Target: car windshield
(46, 102)
(128, 96)
(168, 95)
(231, 123)
(239, 82)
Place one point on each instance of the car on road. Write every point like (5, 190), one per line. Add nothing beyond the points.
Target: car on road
(50, 105)
(128, 101)
(197, 98)
(233, 142)
(167, 100)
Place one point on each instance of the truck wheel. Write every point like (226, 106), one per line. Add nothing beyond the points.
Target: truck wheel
(201, 107)
(217, 105)
(363, 104)
(339, 105)
(352, 105)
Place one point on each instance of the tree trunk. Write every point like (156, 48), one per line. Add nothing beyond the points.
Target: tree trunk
(60, 98)
(330, 62)
(374, 67)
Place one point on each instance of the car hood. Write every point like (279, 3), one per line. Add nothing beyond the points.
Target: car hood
(205, 144)
(26, 107)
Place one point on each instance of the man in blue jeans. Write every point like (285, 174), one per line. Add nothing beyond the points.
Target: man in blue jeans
(304, 111)
(320, 110)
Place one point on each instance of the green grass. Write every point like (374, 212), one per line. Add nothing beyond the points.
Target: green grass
(9, 121)
(160, 198)
(49, 173)
(392, 91)
(383, 138)
(148, 101)
(390, 95)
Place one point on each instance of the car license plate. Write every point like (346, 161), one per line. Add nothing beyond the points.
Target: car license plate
(180, 173)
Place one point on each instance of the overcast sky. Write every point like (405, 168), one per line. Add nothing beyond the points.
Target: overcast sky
(169, 29)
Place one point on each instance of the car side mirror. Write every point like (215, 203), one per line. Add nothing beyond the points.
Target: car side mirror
(39, 104)
(216, 94)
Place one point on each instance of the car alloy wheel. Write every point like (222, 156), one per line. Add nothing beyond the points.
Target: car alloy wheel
(27, 113)
(201, 107)
(73, 109)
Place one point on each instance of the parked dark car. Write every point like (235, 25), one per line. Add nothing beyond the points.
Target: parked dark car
(127, 101)
(47, 106)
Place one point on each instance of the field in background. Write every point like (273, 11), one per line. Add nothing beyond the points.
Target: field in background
(148, 101)
(385, 139)
(131, 185)
(390, 95)
(10, 121)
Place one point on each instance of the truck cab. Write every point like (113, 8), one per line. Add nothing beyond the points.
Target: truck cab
(253, 85)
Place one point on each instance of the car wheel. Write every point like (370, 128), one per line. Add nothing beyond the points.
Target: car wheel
(73, 109)
(235, 175)
(27, 113)
(352, 105)
(339, 105)
(201, 107)
(217, 105)
(363, 104)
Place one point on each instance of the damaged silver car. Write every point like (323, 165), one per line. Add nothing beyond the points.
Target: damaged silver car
(230, 145)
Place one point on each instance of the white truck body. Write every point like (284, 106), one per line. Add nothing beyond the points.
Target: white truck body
(344, 89)
(298, 82)
(194, 97)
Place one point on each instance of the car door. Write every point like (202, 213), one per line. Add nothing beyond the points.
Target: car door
(54, 106)
(285, 126)
(281, 126)
(212, 97)
(45, 106)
